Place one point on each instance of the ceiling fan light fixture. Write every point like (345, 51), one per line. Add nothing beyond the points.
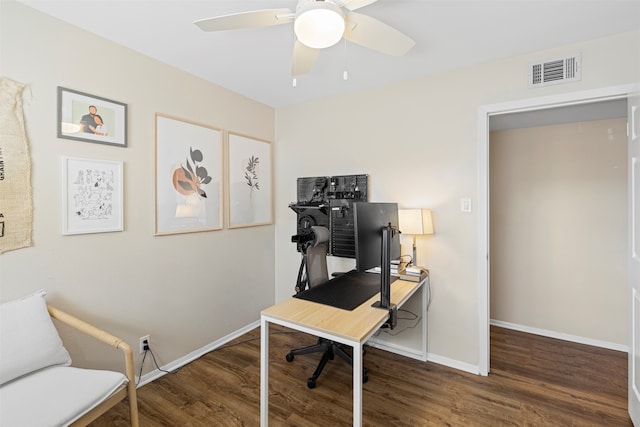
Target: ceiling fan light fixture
(319, 24)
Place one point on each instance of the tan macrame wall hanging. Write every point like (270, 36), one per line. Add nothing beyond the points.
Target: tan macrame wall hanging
(16, 209)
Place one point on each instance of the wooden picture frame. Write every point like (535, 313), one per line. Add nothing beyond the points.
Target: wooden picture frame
(80, 114)
(92, 196)
(249, 180)
(188, 176)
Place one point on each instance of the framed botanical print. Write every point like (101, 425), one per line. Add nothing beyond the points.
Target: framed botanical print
(250, 181)
(189, 177)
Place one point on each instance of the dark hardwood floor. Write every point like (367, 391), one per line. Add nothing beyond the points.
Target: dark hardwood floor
(534, 381)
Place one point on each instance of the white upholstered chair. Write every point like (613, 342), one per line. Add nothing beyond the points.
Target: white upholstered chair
(38, 385)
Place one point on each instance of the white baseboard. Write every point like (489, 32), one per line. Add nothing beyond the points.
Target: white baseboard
(434, 358)
(178, 363)
(397, 349)
(561, 336)
(155, 374)
(452, 363)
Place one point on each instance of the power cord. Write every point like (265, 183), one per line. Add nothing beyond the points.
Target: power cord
(397, 331)
(147, 349)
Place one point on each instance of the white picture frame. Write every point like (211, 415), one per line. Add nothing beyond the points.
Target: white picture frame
(92, 196)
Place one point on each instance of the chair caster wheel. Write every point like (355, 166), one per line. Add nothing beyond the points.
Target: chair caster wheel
(289, 357)
(311, 383)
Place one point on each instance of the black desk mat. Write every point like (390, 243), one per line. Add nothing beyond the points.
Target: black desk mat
(346, 291)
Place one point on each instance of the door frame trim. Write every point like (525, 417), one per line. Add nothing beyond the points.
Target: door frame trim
(484, 114)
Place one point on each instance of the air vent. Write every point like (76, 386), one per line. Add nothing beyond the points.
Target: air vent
(555, 71)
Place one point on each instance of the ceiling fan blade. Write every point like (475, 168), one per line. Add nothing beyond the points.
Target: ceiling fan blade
(254, 19)
(373, 34)
(356, 4)
(303, 59)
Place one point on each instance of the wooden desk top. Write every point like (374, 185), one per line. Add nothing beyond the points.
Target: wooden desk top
(354, 325)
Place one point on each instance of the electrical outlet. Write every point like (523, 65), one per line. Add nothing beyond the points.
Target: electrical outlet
(144, 341)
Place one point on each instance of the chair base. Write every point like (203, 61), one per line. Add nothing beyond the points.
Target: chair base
(328, 349)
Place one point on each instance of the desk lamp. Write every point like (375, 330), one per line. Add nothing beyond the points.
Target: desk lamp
(415, 222)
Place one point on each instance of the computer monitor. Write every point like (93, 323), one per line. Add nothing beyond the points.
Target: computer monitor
(376, 226)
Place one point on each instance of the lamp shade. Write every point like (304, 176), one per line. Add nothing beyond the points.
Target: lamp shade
(415, 221)
(319, 24)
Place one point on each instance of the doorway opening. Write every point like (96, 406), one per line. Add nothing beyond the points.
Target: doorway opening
(485, 115)
(557, 235)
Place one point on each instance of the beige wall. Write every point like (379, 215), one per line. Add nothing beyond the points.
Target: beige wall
(418, 142)
(416, 139)
(186, 290)
(559, 229)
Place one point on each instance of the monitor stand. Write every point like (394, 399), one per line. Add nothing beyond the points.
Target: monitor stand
(385, 268)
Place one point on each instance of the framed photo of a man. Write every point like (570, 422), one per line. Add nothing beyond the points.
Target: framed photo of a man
(91, 118)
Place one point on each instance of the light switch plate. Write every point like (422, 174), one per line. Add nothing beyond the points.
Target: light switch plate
(465, 204)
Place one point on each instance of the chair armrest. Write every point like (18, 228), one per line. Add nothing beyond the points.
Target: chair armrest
(108, 339)
(87, 328)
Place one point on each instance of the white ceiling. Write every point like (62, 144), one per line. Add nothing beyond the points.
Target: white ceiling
(257, 62)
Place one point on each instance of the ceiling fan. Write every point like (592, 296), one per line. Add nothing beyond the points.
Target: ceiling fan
(319, 24)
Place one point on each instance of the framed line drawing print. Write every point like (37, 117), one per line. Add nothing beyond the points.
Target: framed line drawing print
(92, 196)
(91, 118)
(189, 178)
(249, 166)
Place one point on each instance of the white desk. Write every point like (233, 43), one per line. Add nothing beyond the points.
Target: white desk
(352, 328)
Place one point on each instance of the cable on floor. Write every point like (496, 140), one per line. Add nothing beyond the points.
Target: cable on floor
(208, 352)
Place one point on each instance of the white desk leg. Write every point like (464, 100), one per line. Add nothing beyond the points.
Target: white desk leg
(357, 385)
(264, 372)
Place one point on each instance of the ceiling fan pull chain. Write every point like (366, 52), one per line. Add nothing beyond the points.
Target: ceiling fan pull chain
(345, 74)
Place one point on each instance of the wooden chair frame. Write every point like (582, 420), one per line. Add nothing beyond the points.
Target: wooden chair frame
(125, 391)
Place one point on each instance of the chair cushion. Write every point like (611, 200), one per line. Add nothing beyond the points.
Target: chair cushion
(55, 396)
(28, 339)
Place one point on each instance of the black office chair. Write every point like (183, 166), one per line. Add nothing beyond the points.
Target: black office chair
(313, 272)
